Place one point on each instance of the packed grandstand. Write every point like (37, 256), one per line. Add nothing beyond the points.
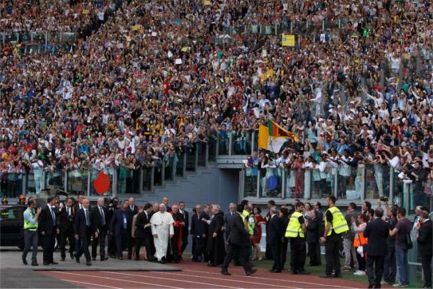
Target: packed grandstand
(136, 81)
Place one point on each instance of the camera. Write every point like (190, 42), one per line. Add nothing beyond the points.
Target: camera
(384, 199)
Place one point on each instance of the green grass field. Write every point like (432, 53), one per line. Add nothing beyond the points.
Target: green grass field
(320, 270)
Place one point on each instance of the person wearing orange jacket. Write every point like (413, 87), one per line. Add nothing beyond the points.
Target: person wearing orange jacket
(360, 242)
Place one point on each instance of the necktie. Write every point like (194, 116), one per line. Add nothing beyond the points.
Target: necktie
(87, 218)
(102, 215)
(69, 211)
(53, 215)
(125, 222)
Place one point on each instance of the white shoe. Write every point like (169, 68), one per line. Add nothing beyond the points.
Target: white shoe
(359, 273)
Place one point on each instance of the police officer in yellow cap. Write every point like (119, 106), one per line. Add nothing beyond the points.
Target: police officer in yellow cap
(31, 216)
(296, 233)
(335, 227)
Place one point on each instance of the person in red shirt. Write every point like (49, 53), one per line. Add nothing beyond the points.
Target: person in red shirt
(259, 220)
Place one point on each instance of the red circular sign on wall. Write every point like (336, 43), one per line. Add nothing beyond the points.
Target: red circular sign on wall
(102, 183)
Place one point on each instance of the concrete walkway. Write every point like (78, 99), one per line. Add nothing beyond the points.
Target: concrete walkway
(12, 260)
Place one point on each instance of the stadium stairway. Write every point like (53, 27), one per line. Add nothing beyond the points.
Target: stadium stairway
(208, 184)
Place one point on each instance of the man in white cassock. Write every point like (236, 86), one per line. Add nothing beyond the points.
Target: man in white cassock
(162, 231)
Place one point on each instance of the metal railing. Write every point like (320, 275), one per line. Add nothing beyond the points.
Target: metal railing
(123, 180)
(364, 182)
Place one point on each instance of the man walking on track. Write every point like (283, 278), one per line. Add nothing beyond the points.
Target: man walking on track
(238, 240)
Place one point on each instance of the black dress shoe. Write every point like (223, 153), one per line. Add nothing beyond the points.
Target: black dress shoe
(94, 258)
(251, 272)
(72, 255)
(303, 273)
(225, 272)
(54, 263)
(104, 259)
(35, 263)
(77, 259)
(88, 263)
(25, 261)
(63, 259)
(46, 263)
(337, 276)
(326, 276)
(120, 258)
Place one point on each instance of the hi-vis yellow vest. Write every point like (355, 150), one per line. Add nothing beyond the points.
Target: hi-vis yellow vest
(29, 226)
(339, 223)
(294, 228)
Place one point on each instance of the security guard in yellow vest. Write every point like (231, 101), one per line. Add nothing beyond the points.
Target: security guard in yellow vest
(31, 216)
(249, 221)
(296, 233)
(335, 227)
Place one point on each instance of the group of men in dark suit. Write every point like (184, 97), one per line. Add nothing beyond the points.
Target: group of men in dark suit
(80, 226)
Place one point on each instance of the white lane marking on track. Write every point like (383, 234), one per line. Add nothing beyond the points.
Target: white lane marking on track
(91, 284)
(223, 279)
(272, 279)
(171, 279)
(151, 285)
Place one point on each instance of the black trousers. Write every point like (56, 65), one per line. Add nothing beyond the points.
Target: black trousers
(314, 253)
(111, 248)
(284, 246)
(66, 234)
(390, 265)
(361, 261)
(84, 245)
(175, 252)
(298, 254)
(199, 249)
(375, 270)
(148, 243)
(332, 254)
(243, 252)
(426, 268)
(30, 240)
(276, 256)
(184, 239)
(48, 246)
(130, 244)
(122, 242)
(100, 240)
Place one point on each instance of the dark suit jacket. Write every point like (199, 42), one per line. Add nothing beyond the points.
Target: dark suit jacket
(425, 242)
(377, 232)
(284, 223)
(140, 231)
(227, 217)
(186, 219)
(97, 220)
(65, 221)
(313, 230)
(198, 227)
(80, 224)
(134, 211)
(238, 234)
(275, 230)
(46, 223)
(117, 221)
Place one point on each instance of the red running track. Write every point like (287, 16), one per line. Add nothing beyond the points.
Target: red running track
(198, 275)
